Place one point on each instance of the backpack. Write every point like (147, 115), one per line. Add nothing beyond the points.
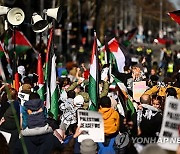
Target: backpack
(107, 149)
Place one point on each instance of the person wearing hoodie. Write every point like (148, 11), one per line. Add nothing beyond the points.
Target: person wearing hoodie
(110, 116)
(35, 117)
(111, 124)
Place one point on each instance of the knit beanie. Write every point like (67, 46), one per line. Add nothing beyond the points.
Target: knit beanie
(88, 146)
(78, 101)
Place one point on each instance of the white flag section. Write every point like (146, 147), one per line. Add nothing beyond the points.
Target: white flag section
(91, 122)
(23, 97)
(169, 137)
(6, 135)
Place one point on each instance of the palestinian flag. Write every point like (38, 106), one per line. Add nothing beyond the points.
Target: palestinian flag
(6, 41)
(17, 38)
(130, 107)
(120, 84)
(47, 53)
(175, 15)
(52, 91)
(93, 78)
(21, 42)
(116, 56)
(1, 50)
(41, 89)
(129, 36)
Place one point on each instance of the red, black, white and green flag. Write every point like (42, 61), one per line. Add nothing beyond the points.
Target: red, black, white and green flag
(16, 37)
(6, 40)
(1, 50)
(116, 56)
(21, 42)
(175, 15)
(47, 53)
(129, 36)
(93, 78)
(52, 91)
(41, 90)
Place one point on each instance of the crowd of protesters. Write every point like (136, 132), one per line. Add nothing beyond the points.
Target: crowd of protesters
(24, 115)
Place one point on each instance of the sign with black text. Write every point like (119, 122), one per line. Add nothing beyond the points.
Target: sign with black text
(92, 125)
(169, 137)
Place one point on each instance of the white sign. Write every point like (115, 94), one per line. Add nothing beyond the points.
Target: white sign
(91, 122)
(169, 137)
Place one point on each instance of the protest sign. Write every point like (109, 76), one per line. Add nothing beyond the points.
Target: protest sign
(92, 124)
(169, 136)
(138, 89)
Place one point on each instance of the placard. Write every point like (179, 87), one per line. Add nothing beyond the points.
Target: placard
(91, 122)
(169, 137)
(138, 89)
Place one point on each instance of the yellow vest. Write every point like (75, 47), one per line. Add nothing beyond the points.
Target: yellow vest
(170, 68)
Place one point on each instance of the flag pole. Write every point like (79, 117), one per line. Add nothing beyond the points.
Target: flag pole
(108, 58)
(13, 109)
(97, 70)
(15, 74)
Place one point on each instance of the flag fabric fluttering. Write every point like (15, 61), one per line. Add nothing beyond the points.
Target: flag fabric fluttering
(129, 36)
(121, 85)
(1, 50)
(175, 15)
(116, 56)
(21, 42)
(52, 91)
(93, 78)
(11, 37)
(41, 90)
(130, 107)
(47, 53)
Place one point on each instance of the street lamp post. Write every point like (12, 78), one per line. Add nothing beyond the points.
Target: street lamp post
(160, 20)
(68, 25)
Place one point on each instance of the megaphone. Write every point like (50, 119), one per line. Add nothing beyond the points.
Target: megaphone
(55, 13)
(4, 10)
(38, 24)
(15, 16)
